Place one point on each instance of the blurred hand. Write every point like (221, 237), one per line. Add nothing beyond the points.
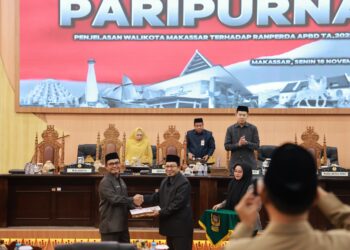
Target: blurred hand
(242, 141)
(247, 208)
(155, 213)
(320, 193)
(138, 199)
(205, 157)
(184, 166)
(217, 206)
(190, 156)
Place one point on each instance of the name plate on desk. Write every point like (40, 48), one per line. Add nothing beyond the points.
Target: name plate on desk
(158, 171)
(329, 173)
(79, 170)
(256, 172)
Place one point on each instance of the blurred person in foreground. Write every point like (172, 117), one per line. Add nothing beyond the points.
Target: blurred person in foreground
(288, 192)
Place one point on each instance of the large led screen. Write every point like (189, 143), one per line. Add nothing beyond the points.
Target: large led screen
(110, 55)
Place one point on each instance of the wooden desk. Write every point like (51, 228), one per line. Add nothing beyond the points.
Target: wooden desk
(72, 200)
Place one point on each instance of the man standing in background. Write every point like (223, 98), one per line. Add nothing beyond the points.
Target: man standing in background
(200, 142)
(242, 138)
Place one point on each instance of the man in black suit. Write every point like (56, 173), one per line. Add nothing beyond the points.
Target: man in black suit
(174, 199)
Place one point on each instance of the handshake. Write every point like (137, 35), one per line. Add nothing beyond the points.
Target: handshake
(150, 211)
(138, 199)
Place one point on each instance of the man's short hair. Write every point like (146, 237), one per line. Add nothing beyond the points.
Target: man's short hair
(291, 179)
(197, 120)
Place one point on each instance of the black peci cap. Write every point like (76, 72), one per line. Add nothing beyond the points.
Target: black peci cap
(111, 156)
(291, 176)
(173, 158)
(198, 120)
(243, 108)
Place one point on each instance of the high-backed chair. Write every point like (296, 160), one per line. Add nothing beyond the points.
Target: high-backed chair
(310, 142)
(107, 245)
(49, 149)
(332, 154)
(154, 154)
(228, 158)
(110, 144)
(265, 151)
(87, 149)
(171, 145)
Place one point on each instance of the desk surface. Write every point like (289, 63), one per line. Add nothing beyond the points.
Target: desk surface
(157, 176)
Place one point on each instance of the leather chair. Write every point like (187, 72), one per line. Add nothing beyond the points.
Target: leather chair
(265, 151)
(87, 149)
(154, 153)
(332, 154)
(108, 245)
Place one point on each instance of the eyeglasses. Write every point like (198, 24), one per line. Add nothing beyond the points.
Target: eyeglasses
(113, 163)
(170, 165)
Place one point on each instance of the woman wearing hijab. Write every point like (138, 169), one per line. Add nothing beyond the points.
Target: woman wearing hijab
(138, 148)
(238, 186)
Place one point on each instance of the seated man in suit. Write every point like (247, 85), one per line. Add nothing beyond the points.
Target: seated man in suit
(200, 142)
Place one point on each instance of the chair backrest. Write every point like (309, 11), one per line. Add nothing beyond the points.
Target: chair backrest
(110, 143)
(265, 151)
(332, 154)
(229, 153)
(170, 145)
(310, 142)
(49, 149)
(108, 245)
(87, 149)
(154, 154)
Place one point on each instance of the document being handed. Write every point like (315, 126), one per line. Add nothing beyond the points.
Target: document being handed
(144, 212)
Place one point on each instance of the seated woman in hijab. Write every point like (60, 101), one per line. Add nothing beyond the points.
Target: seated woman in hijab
(138, 149)
(238, 186)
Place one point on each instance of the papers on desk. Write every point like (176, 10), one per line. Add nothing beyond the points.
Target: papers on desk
(142, 212)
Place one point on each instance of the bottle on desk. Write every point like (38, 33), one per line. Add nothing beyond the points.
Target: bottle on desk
(17, 246)
(143, 246)
(153, 245)
(205, 169)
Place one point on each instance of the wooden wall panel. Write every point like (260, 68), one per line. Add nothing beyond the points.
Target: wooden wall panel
(273, 129)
